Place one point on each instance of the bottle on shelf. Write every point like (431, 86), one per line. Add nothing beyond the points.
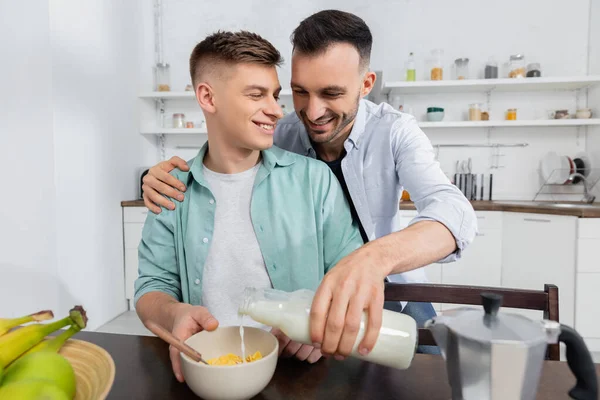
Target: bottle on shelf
(411, 72)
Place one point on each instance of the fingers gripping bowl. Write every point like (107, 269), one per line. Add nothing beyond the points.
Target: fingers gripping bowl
(230, 382)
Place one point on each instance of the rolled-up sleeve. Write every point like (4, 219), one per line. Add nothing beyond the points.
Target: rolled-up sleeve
(157, 266)
(435, 197)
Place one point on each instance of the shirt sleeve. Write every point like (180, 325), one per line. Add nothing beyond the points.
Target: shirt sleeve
(341, 235)
(435, 197)
(157, 266)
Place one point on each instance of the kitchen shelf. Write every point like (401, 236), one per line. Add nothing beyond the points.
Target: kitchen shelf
(488, 85)
(171, 131)
(186, 95)
(510, 124)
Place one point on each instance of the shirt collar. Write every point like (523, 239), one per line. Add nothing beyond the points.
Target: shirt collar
(271, 157)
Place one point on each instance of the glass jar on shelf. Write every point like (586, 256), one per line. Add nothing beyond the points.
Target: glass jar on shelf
(437, 69)
(534, 70)
(491, 69)
(162, 78)
(517, 66)
(462, 68)
(475, 112)
(178, 121)
(511, 114)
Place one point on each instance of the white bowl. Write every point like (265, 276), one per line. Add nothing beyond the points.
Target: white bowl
(230, 382)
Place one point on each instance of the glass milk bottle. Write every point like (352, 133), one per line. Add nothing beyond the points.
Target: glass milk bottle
(290, 312)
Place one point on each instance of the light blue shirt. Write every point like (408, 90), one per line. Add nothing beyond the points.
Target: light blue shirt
(300, 215)
(386, 153)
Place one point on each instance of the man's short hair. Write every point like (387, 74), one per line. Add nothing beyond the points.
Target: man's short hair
(231, 48)
(319, 31)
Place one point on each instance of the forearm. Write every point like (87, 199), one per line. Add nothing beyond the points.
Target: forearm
(418, 245)
(158, 307)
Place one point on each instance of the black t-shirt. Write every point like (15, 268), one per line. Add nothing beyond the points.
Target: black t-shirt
(336, 168)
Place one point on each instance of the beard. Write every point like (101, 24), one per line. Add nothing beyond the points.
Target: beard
(340, 121)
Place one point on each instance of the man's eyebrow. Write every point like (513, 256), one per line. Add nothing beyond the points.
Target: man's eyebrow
(261, 88)
(330, 88)
(334, 88)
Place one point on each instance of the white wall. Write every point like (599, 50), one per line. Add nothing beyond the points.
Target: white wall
(593, 139)
(27, 198)
(545, 31)
(71, 150)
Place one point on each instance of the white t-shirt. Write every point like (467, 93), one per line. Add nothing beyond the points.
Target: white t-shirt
(234, 259)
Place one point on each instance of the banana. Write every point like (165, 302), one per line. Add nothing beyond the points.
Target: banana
(45, 366)
(32, 390)
(18, 341)
(55, 343)
(7, 324)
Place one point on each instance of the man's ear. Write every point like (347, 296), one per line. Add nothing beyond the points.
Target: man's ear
(368, 83)
(205, 97)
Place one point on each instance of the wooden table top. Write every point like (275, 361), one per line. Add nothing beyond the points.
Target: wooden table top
(143, 371)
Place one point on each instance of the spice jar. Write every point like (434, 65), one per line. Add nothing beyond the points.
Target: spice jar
(517, 66)
(189, 124)
(462, 68)
(178, 121)
(491, 70)
(511, 114)
(161, 77)
(533, 70)
(437, 70)
(475, 112)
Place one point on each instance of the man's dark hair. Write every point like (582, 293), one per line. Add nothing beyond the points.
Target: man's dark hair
(317, 32)
(232, 48)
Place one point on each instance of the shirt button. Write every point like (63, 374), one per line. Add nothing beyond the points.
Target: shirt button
(274, 266)
(205, 240)
(211, 201)
(197, 281)
(260, 228)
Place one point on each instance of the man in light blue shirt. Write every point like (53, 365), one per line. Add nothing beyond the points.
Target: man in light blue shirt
(376, 152)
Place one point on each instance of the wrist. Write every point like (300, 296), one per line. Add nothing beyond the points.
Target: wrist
(376, 257)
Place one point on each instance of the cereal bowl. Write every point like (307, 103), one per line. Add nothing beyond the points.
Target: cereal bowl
(230, 382)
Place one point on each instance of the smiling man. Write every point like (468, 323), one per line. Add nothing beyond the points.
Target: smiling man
(375, 152)
(254, 215)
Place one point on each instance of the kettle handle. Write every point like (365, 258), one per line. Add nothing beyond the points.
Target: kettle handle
(581, 365)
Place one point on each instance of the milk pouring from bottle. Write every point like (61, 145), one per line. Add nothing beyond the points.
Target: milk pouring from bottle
(290, 312)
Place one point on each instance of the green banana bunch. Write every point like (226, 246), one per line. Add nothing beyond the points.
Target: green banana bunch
(18, 341)
(33, 369)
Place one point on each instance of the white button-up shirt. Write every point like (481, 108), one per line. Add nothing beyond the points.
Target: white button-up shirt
(387, 152)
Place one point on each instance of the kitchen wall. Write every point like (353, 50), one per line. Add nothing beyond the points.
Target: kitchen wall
(593, 139)
(69, 126)
(28, 261)
(545, 31)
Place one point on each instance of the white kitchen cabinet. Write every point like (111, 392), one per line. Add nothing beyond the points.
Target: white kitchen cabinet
(539, 249)
(481, 263)
(588, 281)
(133, 224)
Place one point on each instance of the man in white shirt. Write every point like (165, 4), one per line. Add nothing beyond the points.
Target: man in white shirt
(376, 152)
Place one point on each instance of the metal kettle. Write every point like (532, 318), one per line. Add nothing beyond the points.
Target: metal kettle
(500, 356)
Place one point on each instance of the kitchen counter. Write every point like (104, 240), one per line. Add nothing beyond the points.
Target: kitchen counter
(577, 209)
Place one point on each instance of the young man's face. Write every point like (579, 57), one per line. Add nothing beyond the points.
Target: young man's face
(246, 106)
(327, 88)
